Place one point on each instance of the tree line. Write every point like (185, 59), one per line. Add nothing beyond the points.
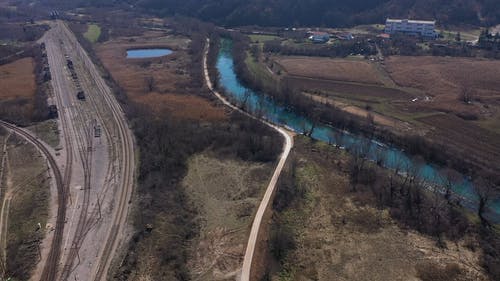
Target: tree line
(330, 13)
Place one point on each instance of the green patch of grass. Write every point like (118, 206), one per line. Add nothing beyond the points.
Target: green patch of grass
(47, 131)
(491, 123)
(259, 38)
(259, 71)
(466, 35)
(93, 33)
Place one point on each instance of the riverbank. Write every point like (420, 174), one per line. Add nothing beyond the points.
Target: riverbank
(411, 176)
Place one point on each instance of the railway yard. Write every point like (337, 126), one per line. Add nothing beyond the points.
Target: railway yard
(93, 168)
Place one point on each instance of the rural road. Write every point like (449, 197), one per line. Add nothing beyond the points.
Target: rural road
(287, 146)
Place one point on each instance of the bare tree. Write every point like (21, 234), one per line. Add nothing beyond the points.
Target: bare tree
(246, 97)
(150, 83)
(486, 191)
(466, 94)
(359, 152)
(450, 178)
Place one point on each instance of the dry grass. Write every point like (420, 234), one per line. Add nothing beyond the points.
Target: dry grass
(340, 234)
(350, 70)
(159, 83)
(28, 183)
(445, 77)
(17, 79)
(225, 193)
(471, 140)
(182, 106)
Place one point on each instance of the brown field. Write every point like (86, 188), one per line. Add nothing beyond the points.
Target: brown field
(182, 106)
(353, 90)
(443, 78)
(17, 79)
(18, 86)
(162, 83)
(350, 70)
(471, 140)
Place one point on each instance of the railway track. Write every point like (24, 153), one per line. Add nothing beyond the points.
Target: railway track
(116, 129)
(50, 268)
(53, 257)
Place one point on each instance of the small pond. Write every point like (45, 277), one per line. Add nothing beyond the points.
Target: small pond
(147, 53)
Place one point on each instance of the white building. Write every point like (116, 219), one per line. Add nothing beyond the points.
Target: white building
(413, 27)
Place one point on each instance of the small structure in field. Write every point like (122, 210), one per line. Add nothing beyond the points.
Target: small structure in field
(411, 27)
(319, 37)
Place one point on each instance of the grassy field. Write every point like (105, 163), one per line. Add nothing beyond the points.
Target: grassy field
(47, 131)
(341, 233)
(28, 183)
(465, 35)
(260, 70)
(225, 193)
(93, 32)
(259, 38)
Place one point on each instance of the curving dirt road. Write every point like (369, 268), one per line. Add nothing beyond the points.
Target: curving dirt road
(287, 146)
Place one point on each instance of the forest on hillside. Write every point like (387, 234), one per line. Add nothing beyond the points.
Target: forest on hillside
(326, 12)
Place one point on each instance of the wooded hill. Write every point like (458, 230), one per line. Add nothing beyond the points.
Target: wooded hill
(326, 12)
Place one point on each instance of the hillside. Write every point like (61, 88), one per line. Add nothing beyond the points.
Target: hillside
(327, 12)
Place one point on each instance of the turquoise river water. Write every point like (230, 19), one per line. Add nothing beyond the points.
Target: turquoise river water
(392, 157)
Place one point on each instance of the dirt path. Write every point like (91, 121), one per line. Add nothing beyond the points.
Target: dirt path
(287, 146)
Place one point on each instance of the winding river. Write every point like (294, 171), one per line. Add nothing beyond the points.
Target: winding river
(391, 157)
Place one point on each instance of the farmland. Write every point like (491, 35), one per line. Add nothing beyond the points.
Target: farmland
(444, 78)
(351, 70)
(412, 96)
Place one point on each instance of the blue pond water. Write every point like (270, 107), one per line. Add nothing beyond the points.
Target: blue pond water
(147, 53)
(391, 157)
